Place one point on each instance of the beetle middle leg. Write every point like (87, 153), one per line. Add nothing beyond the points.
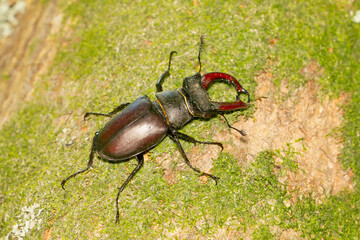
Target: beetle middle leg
(193, 140)
(175, 136)
(110, 114)
(140, 159)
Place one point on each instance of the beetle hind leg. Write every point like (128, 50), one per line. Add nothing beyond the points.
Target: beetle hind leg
(89, 165)
(140, 159)
(174, 135)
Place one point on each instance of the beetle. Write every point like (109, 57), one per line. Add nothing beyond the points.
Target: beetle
(137, 127)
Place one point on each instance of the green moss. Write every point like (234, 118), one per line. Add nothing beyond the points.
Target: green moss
(351, 134)
(116, 53)
(263, 232)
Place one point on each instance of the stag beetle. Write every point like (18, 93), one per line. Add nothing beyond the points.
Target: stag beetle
(143, 124)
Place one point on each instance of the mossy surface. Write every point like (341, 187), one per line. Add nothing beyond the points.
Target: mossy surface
(117, 52)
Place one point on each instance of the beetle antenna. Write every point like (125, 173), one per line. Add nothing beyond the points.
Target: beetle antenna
(164, 75)
(172, 53)
(200, 49)
(242, 132)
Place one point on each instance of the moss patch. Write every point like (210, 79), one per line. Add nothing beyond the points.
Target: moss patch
(116, 52)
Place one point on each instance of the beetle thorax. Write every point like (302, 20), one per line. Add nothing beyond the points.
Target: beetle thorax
(174, 106)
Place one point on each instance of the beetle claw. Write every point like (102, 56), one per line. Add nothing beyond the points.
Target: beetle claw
(222, 146)
(209, 78)
(85, 116)
(211, 176)
(117, 217)
(215, 179)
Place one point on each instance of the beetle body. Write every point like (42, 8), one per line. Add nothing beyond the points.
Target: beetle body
(137, 127)
(143, 124)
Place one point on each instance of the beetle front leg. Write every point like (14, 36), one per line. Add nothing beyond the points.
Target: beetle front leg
(140, 159)
(166, 74)
(110, 114)
(174, 135)
(89, 165)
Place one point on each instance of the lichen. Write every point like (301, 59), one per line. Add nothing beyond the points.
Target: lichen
(8, 16)
(29, 218)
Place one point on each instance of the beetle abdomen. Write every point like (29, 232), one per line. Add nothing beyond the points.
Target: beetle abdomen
(136, 129)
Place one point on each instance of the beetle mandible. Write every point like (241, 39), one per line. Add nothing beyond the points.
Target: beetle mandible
(137, 127)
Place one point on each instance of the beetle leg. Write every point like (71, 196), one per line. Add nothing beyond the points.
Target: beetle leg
(242, 132)
(110, 114)
(89, 165)
(193, 140)
(164, 75)
(174, 134)
(140, 159)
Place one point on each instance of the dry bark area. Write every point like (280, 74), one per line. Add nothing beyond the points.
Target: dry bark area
(27, 54)
(307, 123)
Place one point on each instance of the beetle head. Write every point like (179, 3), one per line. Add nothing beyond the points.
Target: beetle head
(202, 106)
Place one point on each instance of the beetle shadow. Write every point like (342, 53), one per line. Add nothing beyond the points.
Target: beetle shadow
(115, 162)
